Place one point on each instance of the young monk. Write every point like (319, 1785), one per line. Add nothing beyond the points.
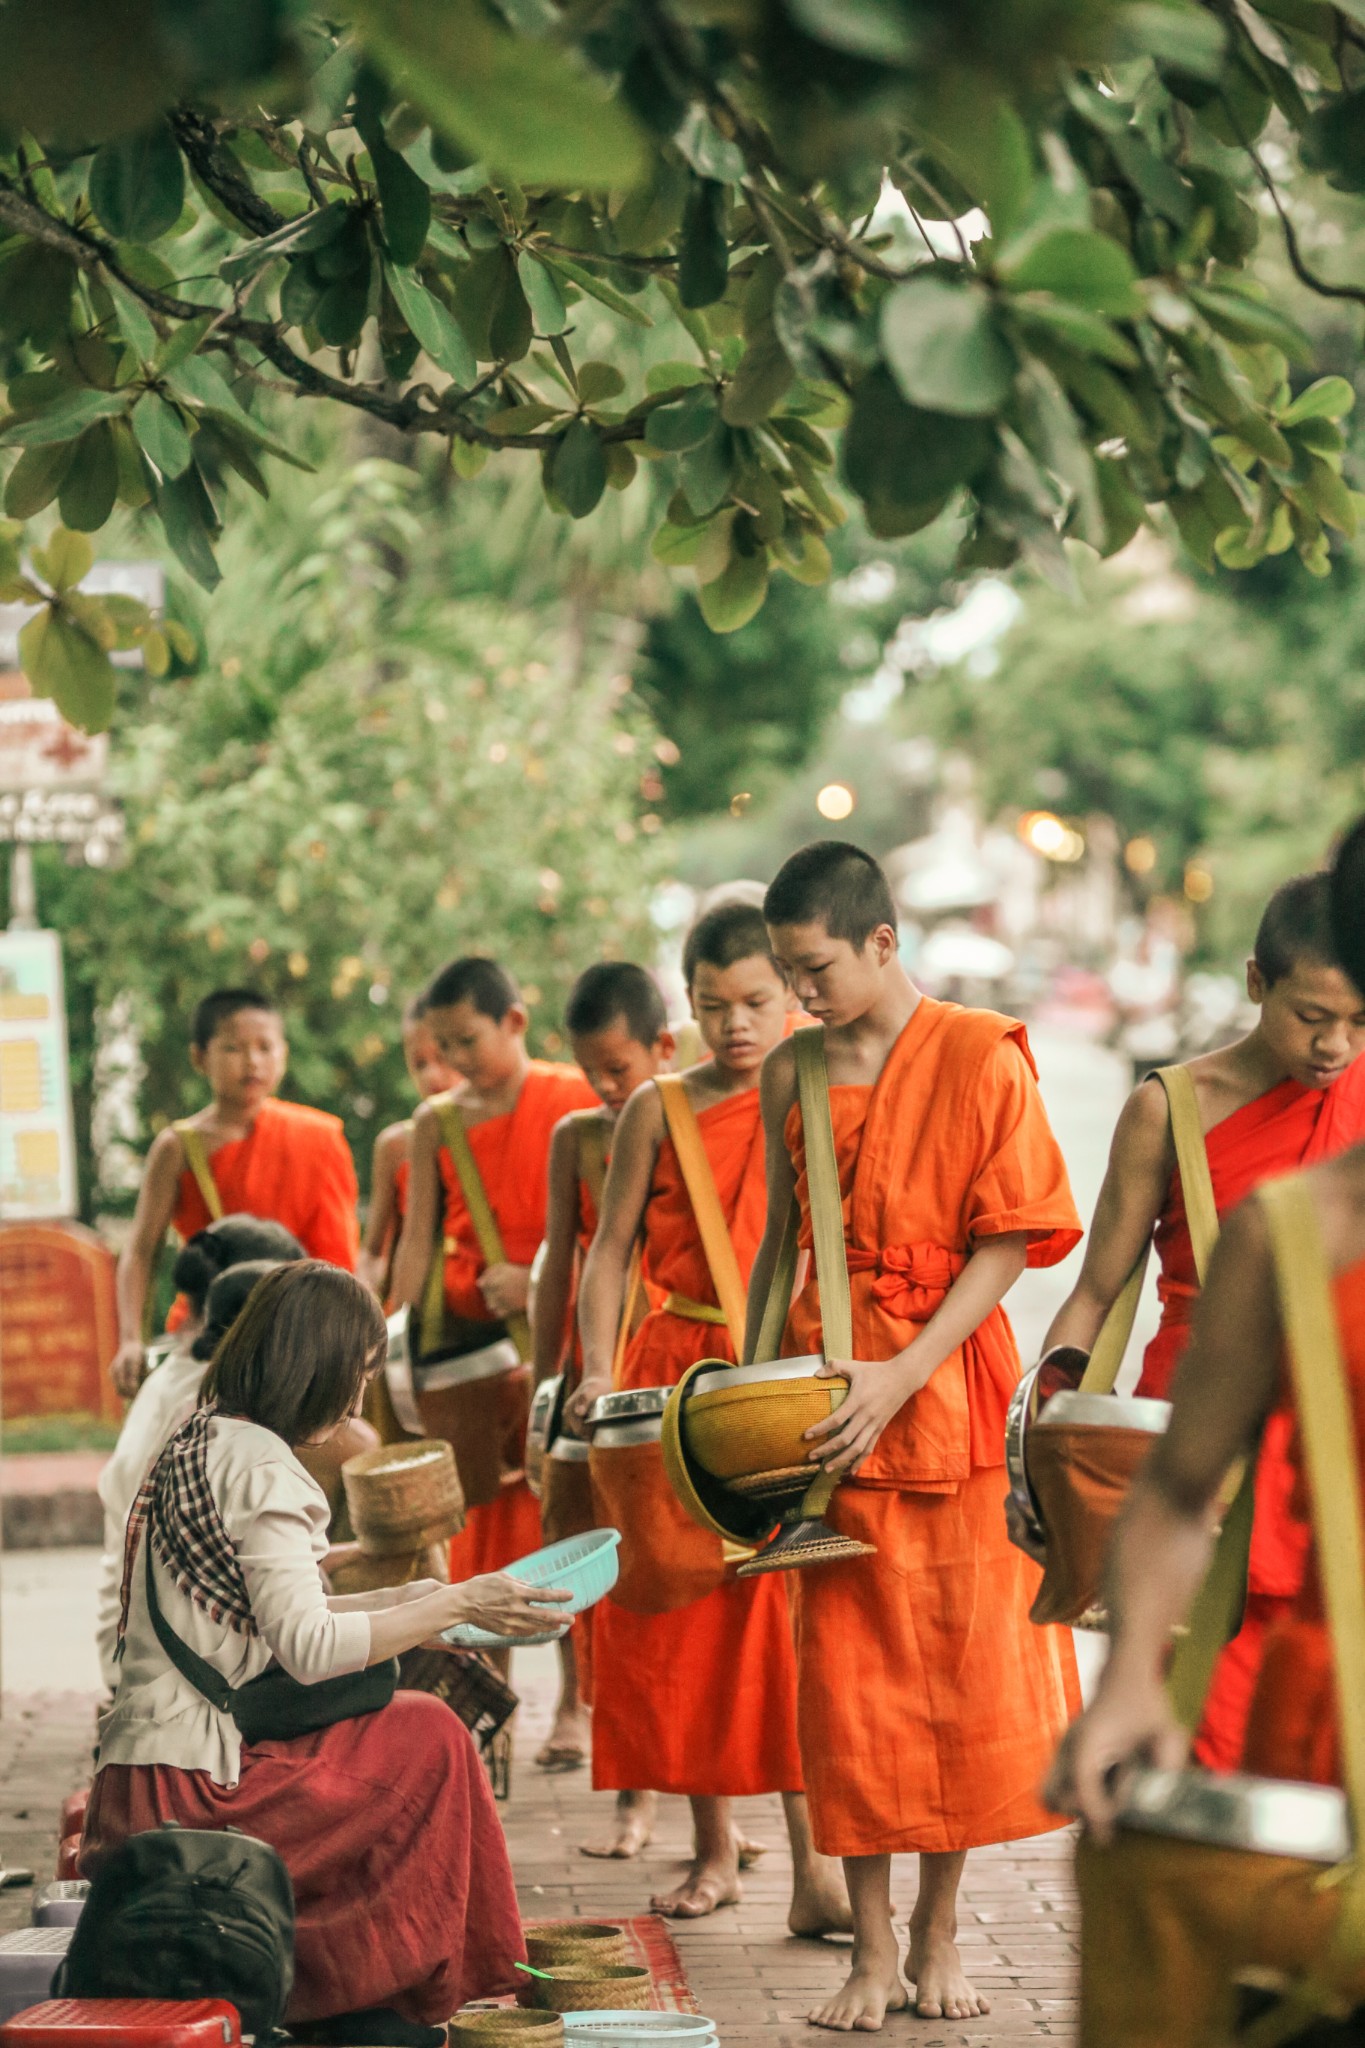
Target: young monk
(256, 1156)
(618, 1030)
(928, 1703)
(1185, 1927)
(509, 1105)
(1290, 1093)
(392, 1160)
(700, 1700)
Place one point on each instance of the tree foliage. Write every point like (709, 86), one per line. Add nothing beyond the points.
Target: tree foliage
(408, 213)
(366, 777)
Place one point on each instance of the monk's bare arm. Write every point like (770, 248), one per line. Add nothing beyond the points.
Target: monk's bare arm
(151, 1220)
(412, 1259)
(601, 1293)
(389, 1148)
(555, 1284)
(777, 1093)
(880, 1387)
(1223, 1390)
(1141, 1160)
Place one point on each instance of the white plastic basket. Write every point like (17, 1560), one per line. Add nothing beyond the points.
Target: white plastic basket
(639, 2030)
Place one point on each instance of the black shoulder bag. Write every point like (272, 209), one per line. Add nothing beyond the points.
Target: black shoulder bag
(273, 1707)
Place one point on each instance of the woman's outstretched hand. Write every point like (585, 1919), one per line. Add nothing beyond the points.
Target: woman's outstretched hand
(506, 1606)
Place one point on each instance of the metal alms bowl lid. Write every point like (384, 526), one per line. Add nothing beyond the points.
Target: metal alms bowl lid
(569, 1450)
(1111, 1411)
(542, 1408)
(756, 1375)
(1232, 1810)
(633, 1404)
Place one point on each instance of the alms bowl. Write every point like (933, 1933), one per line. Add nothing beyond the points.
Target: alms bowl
(742, 1422)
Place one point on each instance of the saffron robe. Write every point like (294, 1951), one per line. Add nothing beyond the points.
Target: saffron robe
(293, 1167)
(1287, 1128)
(1293, 1730)
(929, 1705)
(512, 1153)
(702, 1700)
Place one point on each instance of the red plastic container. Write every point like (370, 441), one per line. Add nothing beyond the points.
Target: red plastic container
(68, 1857)
(73, 1813)
(124, 2023)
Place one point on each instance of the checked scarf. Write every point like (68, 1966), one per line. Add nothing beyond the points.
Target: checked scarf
(185, 1529)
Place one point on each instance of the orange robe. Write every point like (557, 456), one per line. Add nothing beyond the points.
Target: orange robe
(929, 1704)
(512, 1153)
(703, 1700)
(1289, 1127)
(1294, 1727)
(293, 1167)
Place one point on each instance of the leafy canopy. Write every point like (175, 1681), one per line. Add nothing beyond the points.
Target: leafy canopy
(405, 212)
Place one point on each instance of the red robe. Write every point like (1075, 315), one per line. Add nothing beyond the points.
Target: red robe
(703, 1700)
(929, 1704)
(1289, 1127)
(1293, 1730)
(512, 1154)
(293, 1167)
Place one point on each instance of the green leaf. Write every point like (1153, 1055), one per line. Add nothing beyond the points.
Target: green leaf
(343, 309)
(673, 428)
(65, 561)
(981, 139)
(435, 327)
(809, 561)
(899, 459)
(62, 421)
(36, 478)
(667, 376)
(606, 294)
(1330, 497)
(404, 201)
(1089, 332)
(599, 382)
(1120, 504)
(90, 486)
(185, 513)
(134, 480)
(761, 382)
(1090, 270)
(63, 663)
(861, 28)
(543, 295)
(704, 253)
(1185, 36)
(676, 546)
(161, 433)
(1244, 319)
(732, 600)
(707, 470)
(577, 469)
(200, 381)
(182, 343)
(522, 419)
(523, 106)
(137, 185)
(133, 320)
(943, 347)
(311, 231)
(1329, 398)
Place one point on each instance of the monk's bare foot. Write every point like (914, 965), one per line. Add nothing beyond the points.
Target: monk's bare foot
(820, 1901)
(632, 1831)
(711, 1882)
(942, 1989)
(748, 1852)
(566, 1746)
(873, 1989)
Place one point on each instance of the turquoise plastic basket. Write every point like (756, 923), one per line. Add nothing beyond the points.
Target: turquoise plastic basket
(584, 1565)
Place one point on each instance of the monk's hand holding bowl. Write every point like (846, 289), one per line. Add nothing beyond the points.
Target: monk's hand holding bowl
(505, 1289)
(506, 1606)
(578, 1407)
(878, 1389)
(1128, 1724)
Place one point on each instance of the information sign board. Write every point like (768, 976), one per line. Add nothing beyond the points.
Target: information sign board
(37, 1142)
(58, 1321)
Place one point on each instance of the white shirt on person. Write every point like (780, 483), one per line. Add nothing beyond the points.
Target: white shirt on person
(276, 1516)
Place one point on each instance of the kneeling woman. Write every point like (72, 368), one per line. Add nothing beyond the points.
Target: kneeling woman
(402, 1886)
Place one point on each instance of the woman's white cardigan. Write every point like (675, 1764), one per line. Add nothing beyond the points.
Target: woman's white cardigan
(276, 1516)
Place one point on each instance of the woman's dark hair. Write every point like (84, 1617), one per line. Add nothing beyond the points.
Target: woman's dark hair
(1348, 903)
(227, 1297)
(300, 1351)
(227, 1243)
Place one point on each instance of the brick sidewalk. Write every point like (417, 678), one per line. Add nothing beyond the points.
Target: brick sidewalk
(1018, 1919)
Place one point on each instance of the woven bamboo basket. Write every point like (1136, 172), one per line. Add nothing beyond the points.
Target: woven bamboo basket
(586, 1944)
(580, 1987)
(350, 1569)
(501, 2026)
(403, 1496)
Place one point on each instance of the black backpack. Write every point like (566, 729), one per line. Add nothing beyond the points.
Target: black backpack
(187, 1913)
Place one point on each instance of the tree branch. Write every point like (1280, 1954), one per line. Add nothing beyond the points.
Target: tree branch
(1320, 285)
(217, 169)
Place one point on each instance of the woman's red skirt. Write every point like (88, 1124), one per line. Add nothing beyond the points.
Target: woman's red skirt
(402, 1886)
